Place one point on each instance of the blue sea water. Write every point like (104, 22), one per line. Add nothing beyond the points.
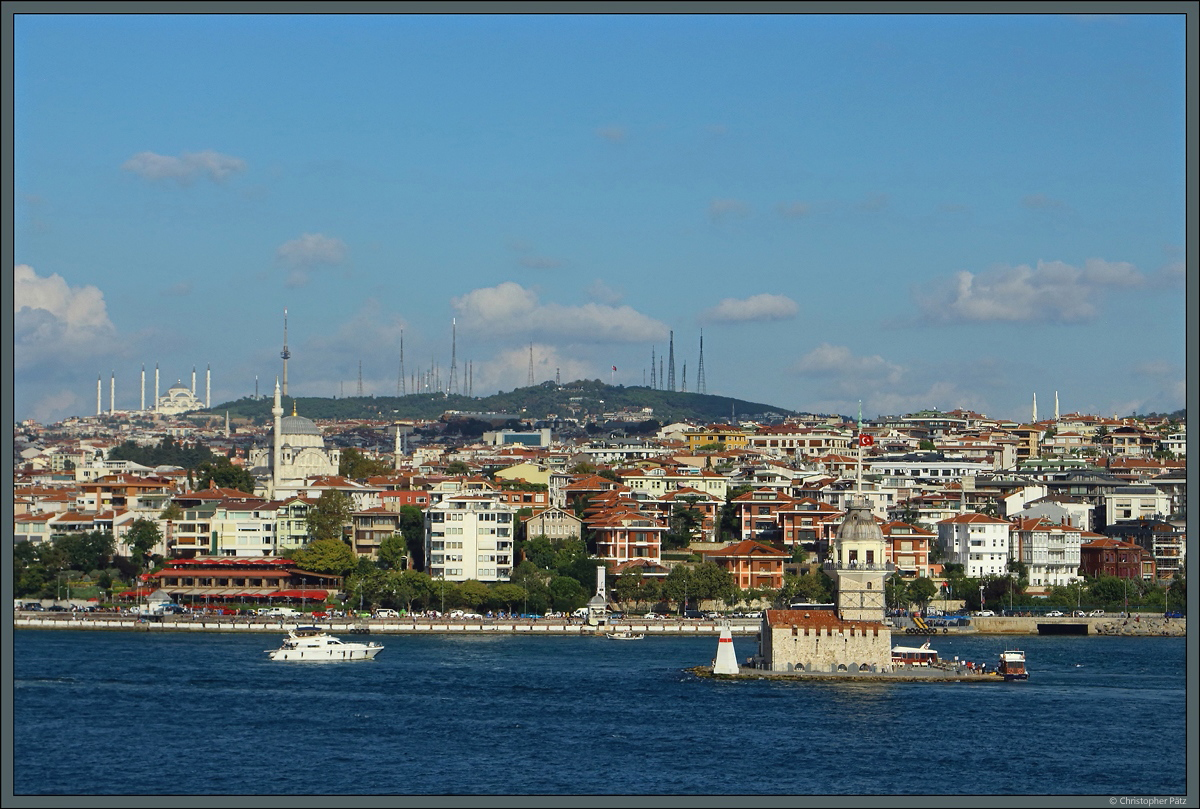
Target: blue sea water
(137, 713)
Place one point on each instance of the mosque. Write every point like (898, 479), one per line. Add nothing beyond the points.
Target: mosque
(294, 451)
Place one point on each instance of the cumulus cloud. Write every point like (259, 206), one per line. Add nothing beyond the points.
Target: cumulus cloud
(755, 308)
(1051, 291)
(185, 168)
(509, 368)
(310, 251)
(828, 361)
(56, 406)
(56, 323)
(510, 309)
(719, 209)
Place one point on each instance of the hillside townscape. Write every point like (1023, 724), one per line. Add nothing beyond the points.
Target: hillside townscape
(395, 504)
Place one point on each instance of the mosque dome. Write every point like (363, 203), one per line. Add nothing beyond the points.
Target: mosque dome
(298, 425)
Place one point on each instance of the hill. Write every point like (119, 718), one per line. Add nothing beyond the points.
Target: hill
(580, 399)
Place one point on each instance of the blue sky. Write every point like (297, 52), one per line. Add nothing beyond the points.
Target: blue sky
(915, 211)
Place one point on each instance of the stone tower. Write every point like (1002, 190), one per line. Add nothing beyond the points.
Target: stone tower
(859, 564)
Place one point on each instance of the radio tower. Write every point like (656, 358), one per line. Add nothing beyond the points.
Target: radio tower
(285, 354)
(531, 363)
(453, 386)
(653, 371)
(683, 385)
(401, 388)
(671, 364)
(700, 387)
(360, 378)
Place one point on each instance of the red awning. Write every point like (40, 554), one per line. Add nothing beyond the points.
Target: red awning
(135, 593)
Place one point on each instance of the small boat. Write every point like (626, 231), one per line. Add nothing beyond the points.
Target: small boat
(1012, 665)
(625, 634)
(313, 644)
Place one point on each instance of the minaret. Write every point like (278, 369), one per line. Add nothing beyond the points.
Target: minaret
(226, 423)
(193, 381)
(1056, 406)
(530, 363)
(143, 407)
(453, 386)
(276, 439)
(671, 365)
(1035, 408)
(156, 387)
(285, 354)
(208, 386)
(112, 393)
(700, 386)
(99, 394)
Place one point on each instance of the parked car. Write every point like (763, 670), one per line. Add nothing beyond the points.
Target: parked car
(386, 613)
(1054, 614)
(1095, 613)
(988, 614)
(652, 616)
(692, 614)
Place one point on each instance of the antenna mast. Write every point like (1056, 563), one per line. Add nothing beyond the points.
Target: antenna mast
(453, 386)
(700, 386)
(671, 365)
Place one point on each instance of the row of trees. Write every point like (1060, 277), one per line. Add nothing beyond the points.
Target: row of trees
(39, 569)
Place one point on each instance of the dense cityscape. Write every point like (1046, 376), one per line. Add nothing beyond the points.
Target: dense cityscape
(496, 512)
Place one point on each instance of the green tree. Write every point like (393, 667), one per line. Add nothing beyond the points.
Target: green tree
(895, 592)
(329, 515)
(326, 556)
(412, 528)
(730, 522)
(711, 581)
(684, 525)
(926, 445)
(222, 473)
(410, 587)
(356, 466)
(141, 538)
(472, 593)
(508, 595)
(566, 593)
(582, 468)
(457, 468)
(393, 552)
(813, 588)
(628, 587)
(678, 586)
(921, 591)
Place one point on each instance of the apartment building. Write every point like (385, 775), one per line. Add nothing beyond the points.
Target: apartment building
(470, 536)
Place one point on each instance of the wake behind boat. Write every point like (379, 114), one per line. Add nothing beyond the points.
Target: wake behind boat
(313, 644)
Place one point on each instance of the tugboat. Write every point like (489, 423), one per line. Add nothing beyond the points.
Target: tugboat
(1012, 665)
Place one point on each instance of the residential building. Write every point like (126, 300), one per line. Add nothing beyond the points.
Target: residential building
(753, 564)
(977, 542)
(469, 536)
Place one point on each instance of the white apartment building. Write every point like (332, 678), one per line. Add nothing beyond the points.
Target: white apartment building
(1135, 503)
(977, 542)
(1049, 550)
(470, 536)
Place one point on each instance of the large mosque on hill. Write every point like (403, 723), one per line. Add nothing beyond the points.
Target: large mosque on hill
(294, 451)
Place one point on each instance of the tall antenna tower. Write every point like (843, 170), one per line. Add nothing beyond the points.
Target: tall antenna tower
(557, 378)
(360, 378)
(671, 365)
(470, 377)
(285, 354)
(531, 363)
(400, 381)
(700, 386)
(653, 377)
(683, 385)
(453, 386)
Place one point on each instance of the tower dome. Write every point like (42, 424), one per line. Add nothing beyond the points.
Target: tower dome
(859, 525)
(298, 425)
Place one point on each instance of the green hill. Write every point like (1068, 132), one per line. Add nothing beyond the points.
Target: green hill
(580, 399)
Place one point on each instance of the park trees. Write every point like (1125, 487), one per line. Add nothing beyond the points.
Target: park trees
(393, 553)
(221, 472)
(356, 466)
(141, 538)
(326, 556)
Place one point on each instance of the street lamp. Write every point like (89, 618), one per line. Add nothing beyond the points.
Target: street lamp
(981, 598)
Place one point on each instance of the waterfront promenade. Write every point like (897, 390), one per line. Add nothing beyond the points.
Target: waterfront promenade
(1138, 625)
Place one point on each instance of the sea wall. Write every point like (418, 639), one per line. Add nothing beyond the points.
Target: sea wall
(1098, 625)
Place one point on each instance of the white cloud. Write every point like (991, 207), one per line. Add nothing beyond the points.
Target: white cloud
(308, 252)
(185, 168)
(56, 406)
(509, 368)
(1053, 291)
(719, 209)
(57, 324)
(828, 361)
(511, 310)
(755, 308)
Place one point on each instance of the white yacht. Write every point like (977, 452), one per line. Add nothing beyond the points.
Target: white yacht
(311, 643)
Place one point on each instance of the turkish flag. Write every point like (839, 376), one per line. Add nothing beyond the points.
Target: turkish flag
(866, 440)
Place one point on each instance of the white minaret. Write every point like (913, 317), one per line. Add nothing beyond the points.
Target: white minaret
(99, 394)
(226, 423)
(193, 381)
(1035, 408)
(1056, 405)
(208, 386)
(156, 387)
(276, 439)
(112, 393)
(143, 407)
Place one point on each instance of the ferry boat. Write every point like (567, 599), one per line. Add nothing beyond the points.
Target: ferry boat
(313, 644)
(1012, 665)
(914, 655)
(625, 634)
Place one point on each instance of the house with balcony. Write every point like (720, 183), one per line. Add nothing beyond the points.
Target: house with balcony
(1049, 551)
(470, 536)
(753, 564)
(907, 548)
(977, 542)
